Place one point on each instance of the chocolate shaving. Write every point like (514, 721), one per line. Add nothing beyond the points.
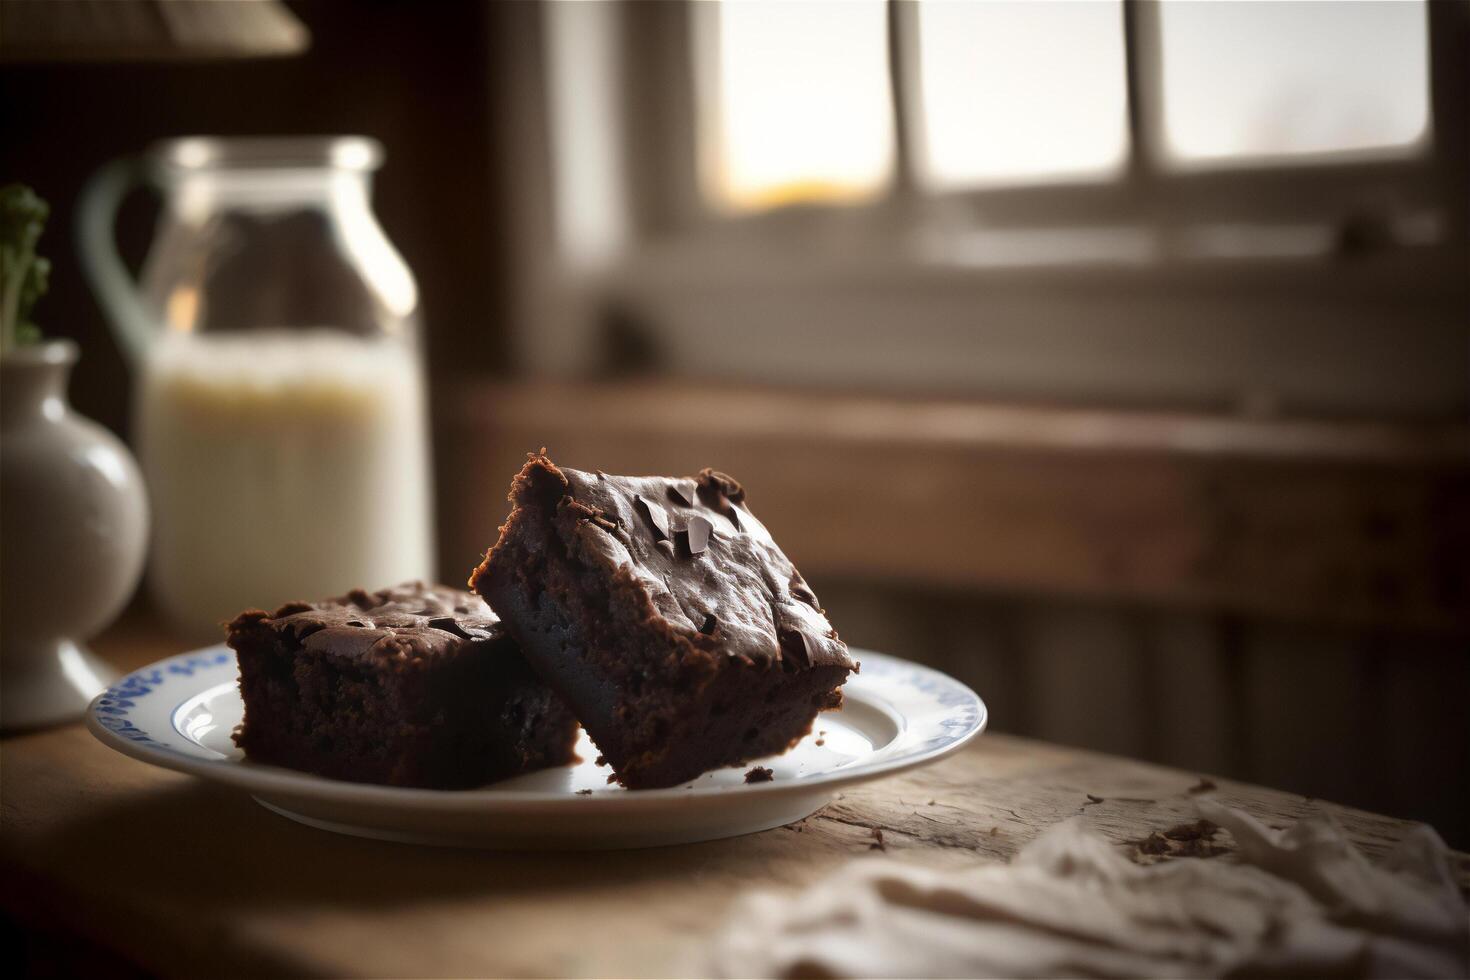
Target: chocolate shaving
(807, 643)
(656, 515)
(697, 535)
(305, 629)
(802, 592)
(451, 625)
(796, 647)
(709, 624)
(682, 492)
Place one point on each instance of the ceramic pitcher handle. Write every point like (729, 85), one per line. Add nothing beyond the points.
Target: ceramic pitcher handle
(109, 277)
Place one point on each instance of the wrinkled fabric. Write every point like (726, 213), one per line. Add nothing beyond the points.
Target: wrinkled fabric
(1302, 901)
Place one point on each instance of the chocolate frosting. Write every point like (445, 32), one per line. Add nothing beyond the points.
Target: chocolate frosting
(407, 622)
(709, 566)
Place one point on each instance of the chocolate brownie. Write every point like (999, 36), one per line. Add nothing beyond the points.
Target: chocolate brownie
(412, 686)
(663, 613)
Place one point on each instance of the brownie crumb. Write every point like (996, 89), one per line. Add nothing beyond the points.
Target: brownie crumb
(759, 774)
(1195, 839)
(584, 792)
(821, 741)
(1205, 785)
(878, 844)
(1192, 831)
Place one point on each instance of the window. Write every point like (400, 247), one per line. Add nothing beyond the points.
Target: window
(1277, 81)
(797, 107)
(798, 94)
(1020, 92)
(1115, 200)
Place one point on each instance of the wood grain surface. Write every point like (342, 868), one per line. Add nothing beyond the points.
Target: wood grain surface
(181, 878)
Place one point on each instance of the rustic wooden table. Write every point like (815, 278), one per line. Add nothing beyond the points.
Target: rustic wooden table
(181, 878)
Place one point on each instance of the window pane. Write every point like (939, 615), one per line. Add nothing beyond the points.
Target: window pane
(799, 106)
(1279, 79)
(1019, 92)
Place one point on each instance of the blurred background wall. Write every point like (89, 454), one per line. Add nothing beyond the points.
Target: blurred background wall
(1153, 433)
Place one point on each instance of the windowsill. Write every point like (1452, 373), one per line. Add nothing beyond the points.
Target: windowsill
(1378, 336)
(823, 247)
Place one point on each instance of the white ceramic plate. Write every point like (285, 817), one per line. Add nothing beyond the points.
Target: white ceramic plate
(179, 714)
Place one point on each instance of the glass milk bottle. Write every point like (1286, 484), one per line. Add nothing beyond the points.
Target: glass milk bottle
(280, 405)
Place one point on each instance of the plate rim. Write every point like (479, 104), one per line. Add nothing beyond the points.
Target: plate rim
(262, 779)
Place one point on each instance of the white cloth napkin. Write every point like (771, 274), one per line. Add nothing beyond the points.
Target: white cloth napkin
(1302, 901)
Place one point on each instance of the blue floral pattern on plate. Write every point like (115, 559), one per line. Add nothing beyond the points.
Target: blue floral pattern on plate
(114, 708)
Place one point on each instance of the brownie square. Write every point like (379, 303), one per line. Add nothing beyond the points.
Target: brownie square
(663, 613)
(412, 686)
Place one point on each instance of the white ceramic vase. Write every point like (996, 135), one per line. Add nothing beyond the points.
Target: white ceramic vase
(73, 533)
